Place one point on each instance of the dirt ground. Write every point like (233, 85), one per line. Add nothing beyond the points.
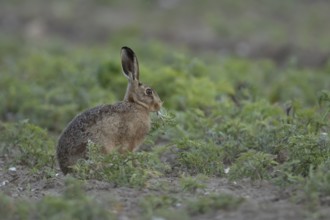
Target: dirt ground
(263, 200)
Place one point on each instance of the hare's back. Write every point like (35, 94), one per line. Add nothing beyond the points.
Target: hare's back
(80, 127)
(73, 140)
(88, 124)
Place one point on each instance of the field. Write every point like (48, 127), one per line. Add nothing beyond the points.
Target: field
(243, 133)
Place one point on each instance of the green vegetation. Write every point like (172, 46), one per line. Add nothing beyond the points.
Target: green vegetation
(131, 169)
(25, 144)
(152, 204)
(260, 121)
(213, 202)
(192, 184)
(224, 117)
(73, 204)
(156, 205)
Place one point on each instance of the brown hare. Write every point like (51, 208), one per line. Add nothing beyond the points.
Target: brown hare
(122, 126)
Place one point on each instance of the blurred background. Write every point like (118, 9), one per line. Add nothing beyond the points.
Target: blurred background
(283, 30)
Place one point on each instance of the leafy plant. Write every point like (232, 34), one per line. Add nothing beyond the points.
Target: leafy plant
(26, 144)
(317, 186)
(309, 150)
(196, 157)
(152, 203)
(254, 165)
(191, 184)
(210, 203)
(129, 169)
(73, 204)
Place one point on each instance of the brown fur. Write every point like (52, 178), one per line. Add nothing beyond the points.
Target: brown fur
(122, 126)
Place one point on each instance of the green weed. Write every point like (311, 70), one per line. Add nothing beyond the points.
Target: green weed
(151, 204)
(73, 204)
(23, 143)
(160, 123)
(173, 214)
(309, 150)
(192, 184)
(252, 164)
(211, 203)
(196, 157)
(129, 169)
(261, 121)
(317, 186)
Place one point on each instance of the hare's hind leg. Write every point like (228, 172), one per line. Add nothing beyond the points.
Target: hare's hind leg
(67, 156)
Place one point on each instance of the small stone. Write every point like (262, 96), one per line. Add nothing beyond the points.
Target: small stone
(13, 169)
(3, 183)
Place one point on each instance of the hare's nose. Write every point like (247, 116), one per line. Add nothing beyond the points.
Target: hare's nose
(157, 106)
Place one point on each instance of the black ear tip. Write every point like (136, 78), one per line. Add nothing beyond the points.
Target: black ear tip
(128, 51)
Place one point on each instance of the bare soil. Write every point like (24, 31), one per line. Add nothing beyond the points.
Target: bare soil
(263, 200)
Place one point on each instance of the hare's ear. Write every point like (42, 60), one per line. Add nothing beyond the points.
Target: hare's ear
(129, 64)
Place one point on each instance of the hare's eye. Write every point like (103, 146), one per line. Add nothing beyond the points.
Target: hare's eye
(149, 91)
